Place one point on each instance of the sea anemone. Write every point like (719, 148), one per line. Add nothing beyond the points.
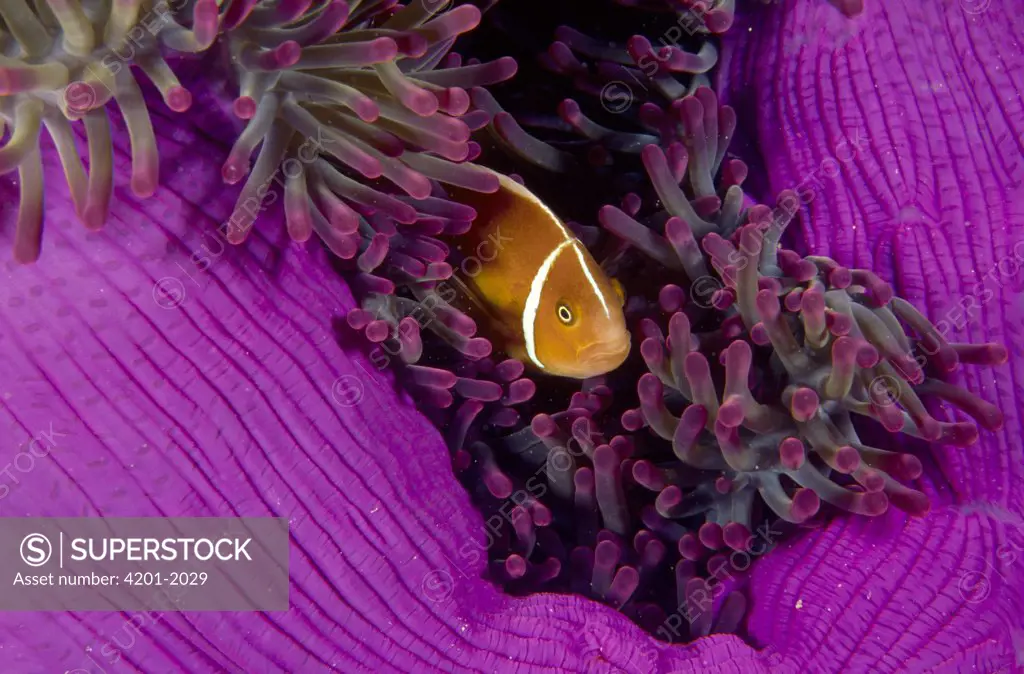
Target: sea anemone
(619, 62)
(223, 406)
(637, 57)
(793, 346)
(358, 112)
(756, 362)
(756, 359)
(335, 95)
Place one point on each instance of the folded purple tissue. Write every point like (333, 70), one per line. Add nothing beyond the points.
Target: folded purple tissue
(152, 368)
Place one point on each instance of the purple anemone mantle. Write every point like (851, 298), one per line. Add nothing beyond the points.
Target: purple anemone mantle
(172, 390)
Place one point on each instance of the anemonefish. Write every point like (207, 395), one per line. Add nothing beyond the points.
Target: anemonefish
(546, 300)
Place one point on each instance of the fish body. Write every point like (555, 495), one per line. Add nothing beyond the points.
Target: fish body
(544, 297)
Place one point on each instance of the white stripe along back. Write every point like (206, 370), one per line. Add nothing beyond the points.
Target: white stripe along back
(532, 305)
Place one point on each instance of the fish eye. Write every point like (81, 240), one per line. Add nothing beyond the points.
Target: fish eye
(565, 314)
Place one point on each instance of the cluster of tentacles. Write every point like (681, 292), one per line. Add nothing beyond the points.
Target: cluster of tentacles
(358, 110)
(754, 364)
(669, 61)
(357, 105)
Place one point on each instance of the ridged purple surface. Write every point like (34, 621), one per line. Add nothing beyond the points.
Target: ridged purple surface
(241, 401)
(932, 199)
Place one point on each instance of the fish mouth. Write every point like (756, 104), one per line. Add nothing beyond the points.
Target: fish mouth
(600, 357)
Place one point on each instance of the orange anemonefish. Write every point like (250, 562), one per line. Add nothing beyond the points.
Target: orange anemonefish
(544, 295)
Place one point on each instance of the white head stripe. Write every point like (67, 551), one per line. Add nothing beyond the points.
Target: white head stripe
(578, 248)
(533, 302)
